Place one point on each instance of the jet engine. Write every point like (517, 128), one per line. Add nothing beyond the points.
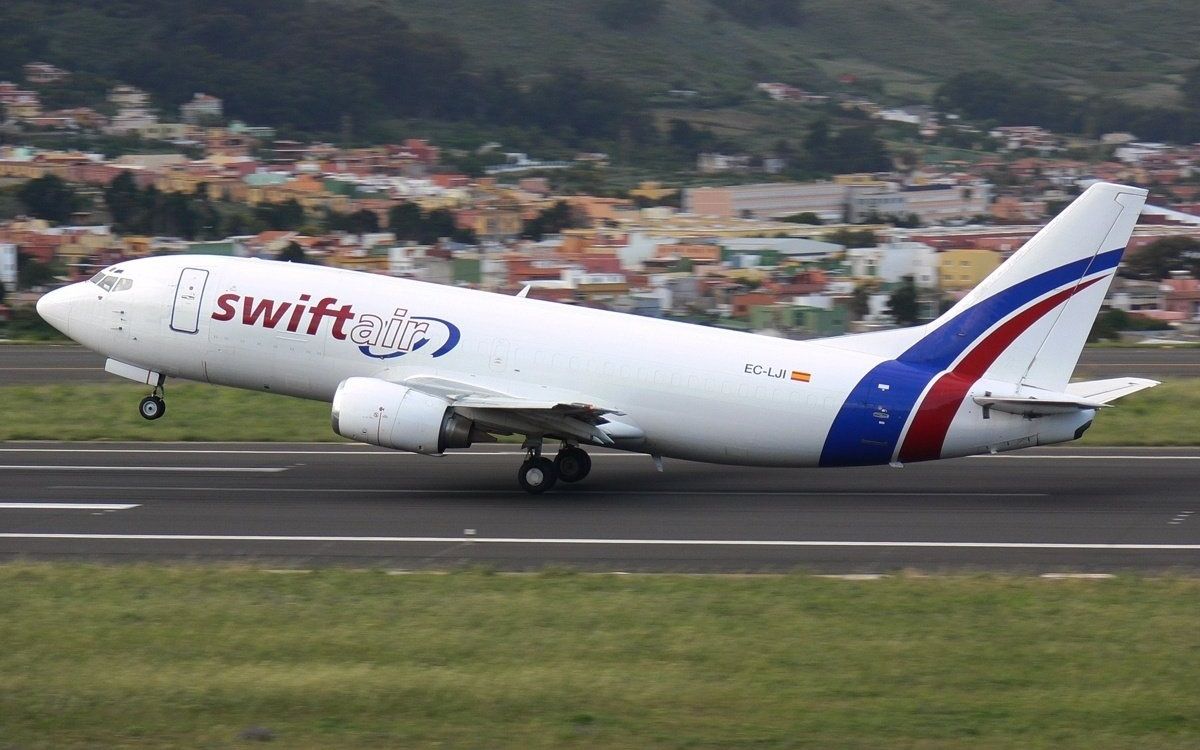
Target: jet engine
(374, 411)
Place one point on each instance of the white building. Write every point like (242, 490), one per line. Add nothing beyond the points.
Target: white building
(8, 265)
(201, 107)
(1135, 152)
(933, 204)
(768, 200)
(895, 260)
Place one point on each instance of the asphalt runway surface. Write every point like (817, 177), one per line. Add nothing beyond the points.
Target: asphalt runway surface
(1066, 510)
(22, 364)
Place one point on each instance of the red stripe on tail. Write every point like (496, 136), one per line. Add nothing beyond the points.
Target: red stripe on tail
(927, 433)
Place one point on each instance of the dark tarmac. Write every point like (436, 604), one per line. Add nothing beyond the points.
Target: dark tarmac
(1060, 510)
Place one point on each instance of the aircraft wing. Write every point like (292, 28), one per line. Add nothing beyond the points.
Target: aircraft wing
(538, 413)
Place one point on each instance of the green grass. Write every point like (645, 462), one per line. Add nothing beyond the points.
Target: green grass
(133, 657)
(107, 411)
(1163, 415)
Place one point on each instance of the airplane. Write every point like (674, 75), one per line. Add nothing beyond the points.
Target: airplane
(426, 368)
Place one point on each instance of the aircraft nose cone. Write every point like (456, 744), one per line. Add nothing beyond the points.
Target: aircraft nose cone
(55, 308)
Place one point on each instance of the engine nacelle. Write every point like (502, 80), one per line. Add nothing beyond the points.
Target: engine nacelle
(375, 411)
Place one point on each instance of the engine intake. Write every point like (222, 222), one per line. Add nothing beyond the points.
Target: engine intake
(374, 411)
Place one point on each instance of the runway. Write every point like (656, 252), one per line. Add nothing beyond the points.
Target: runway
(21, 364)
(1045, 511)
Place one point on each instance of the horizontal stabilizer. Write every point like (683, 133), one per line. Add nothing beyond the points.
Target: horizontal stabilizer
(1031, 406)
(1093, 394)
(1106, 391)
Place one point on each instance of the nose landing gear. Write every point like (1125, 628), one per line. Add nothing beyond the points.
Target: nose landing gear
(153, 406)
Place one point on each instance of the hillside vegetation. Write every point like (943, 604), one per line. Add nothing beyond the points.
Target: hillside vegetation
(1081, 46)
(559, 76)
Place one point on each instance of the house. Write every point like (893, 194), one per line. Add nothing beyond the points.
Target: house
(1181, 295)
(42, 73)
(202, 107)
(963, 269)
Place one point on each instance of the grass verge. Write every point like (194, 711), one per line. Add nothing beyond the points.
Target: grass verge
(141, 656)
(106, 411)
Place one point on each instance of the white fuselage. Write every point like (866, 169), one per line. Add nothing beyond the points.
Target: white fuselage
(695, 392)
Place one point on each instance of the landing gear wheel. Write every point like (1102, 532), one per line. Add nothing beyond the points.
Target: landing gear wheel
(152, 407)
(572, 464)
(537, 475)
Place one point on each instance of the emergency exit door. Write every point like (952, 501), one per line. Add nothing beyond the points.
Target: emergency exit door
(185, 314)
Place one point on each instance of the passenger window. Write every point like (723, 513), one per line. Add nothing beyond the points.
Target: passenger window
(108, 282)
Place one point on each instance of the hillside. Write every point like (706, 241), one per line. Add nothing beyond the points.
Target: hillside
(559, 76)
(1083, 46)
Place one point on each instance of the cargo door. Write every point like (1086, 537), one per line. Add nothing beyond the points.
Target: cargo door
(185, 314)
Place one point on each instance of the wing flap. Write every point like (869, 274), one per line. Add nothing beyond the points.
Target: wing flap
(539, 414)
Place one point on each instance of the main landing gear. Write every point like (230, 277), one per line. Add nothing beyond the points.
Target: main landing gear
(538, 474)
(153, 406)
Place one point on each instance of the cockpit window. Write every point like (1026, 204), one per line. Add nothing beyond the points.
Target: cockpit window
(107, 281)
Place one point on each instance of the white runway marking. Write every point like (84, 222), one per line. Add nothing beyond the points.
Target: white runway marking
(67, 506)
(573, 493)
(601, 542)
(205, 469)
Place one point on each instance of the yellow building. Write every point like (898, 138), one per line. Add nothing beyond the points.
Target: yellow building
(80, 246)
(493, 221)
(963, 269)
(652, 191)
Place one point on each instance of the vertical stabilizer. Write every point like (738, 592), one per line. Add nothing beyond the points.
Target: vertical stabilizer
(1024, 325)
(1027, 322)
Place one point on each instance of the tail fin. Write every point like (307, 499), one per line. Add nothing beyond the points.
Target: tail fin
(1027, 322)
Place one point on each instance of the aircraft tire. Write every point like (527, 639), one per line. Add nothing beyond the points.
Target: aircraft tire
(537, 475)
(572, 464)
(152, 407)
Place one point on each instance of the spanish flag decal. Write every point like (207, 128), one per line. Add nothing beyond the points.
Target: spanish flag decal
(803, 377)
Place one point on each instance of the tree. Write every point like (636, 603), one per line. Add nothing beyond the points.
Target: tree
(287, 216)
(629, 14)
(121, 198)
(1191, 88)
(902, 305)
(31, 272)
(762, 12)
(49, 198)
(1158, 259)
(853, 238)
(404, 220)
(860, 301)
(362, 221)
(551, 220)
(805, 217)
(293, 253)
